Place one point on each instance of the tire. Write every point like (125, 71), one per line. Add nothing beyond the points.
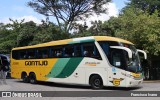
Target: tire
(32, 78)
(25, 78)
(96, 82)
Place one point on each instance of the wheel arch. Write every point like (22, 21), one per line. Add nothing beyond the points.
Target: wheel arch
(23, 73)
(93, 74)
(31, 73)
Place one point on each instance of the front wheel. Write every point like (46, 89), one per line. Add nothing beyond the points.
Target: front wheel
(32, 78)
(96, 82)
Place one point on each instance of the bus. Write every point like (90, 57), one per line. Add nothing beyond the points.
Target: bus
(95, 60)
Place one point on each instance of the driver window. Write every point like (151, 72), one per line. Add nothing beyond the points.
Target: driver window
(117, 58)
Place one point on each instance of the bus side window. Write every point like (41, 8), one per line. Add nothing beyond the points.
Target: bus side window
(31, 54)
(57, 52)
(23, 54)
(68, 51)
(77, 51)
(43, 52)
(105, 47)
(15, 54)
(90, 50)
(52, 53)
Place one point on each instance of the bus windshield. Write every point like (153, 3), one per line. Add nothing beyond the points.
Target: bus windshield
(134, 64)
(119, 58)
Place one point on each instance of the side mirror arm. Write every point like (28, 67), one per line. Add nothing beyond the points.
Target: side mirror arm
(145, 54)
(124, 48)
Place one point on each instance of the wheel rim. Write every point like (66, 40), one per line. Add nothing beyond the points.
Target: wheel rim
(97, 83)
(32, 79)
(24, 78)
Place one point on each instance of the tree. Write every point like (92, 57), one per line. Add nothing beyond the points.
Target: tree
(8, 35)
(26, 33)
(68, 11)
(97, 28)
(6, 43)
(146, 5)
(14, 27)
(140, 28)
(48, 31)
(17, 34)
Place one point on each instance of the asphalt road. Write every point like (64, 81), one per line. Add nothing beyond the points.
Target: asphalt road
(18, 85)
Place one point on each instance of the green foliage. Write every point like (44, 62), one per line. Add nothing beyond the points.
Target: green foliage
(97, 28)
(20, 34)
(48, 32)
(149, 6)
(6, 46)
(133, 24)
(67, 12)
(138, 27)
(26, 33)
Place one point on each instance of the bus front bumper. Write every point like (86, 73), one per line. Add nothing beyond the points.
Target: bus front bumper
(133, 83)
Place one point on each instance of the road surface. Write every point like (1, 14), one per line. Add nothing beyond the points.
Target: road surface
(18, 85)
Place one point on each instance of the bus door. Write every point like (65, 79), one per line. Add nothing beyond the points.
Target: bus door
(117, 60)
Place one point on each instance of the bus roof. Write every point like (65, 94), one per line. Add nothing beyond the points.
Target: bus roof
(75, 40)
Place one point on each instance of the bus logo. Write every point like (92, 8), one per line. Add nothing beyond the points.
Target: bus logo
(136, 75)
(116, 81)
(92, 63)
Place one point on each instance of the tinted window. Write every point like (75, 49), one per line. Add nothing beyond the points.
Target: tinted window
(105, 47)
(116, 57)
(77, 50)
(63, 51)
(31, 54)
(112, 43)
(90, 50)
(23, 54)
(43, 53)
(57, 52)
(15, 54)
(69, 51)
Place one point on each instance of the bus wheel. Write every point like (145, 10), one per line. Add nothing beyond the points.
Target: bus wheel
(96, 82)
(32, 78)
(24, 78)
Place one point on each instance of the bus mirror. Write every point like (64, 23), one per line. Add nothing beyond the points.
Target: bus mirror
(145, 54)
(123, 48)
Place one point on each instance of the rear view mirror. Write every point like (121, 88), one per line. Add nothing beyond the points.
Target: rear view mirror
(123, 48)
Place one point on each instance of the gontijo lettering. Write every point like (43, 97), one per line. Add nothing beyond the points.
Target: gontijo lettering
(36, 63)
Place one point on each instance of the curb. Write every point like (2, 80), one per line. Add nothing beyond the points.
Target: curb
(152, 81)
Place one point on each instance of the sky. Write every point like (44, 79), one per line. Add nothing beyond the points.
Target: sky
(18, 9)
